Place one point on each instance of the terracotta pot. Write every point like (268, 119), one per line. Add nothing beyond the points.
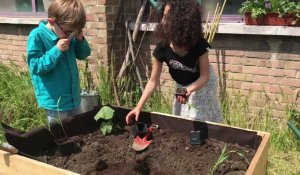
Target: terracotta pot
(273, 19)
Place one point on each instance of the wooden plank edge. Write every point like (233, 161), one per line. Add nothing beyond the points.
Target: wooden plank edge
(258, 165)
(13, 164)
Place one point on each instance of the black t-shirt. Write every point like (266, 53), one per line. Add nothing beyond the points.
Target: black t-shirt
(184, 70)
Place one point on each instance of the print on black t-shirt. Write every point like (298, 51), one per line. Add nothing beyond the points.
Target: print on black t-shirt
(184, 70)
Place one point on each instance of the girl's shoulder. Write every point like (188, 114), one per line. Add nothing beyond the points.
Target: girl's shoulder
(201, 47)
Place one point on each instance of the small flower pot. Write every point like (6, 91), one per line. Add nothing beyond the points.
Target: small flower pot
(89, 102)
(67, 146)
(273, 19)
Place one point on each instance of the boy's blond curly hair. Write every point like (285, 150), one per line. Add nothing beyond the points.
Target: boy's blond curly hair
(68, 12)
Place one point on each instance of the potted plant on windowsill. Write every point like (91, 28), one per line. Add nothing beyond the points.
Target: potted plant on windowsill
(89, 97)
(271, 12)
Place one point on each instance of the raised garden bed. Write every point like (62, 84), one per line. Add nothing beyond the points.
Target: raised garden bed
(170, 153)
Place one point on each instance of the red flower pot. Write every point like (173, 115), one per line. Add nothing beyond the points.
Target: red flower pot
(273, 19)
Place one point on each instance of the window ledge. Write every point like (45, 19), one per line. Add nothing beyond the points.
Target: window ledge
(239, 28)
(5, 20)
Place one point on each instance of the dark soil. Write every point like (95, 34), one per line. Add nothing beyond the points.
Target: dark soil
(170, 153)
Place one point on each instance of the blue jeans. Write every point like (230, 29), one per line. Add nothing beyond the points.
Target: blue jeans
(56, 116)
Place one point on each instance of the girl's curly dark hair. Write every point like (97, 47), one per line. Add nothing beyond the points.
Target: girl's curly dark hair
(183, 23)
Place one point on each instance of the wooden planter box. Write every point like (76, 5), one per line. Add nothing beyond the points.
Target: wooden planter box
(273, 19)
(15, 164)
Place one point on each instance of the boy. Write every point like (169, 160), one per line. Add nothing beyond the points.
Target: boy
(52, 49)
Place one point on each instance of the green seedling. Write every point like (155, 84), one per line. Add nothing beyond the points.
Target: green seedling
(106, 115)
(223, 157)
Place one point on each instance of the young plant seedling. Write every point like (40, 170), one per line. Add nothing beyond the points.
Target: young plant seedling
(65, 145)
(223, 157)
(106, 115)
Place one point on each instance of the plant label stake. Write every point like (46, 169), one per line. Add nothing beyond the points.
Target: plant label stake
(195, 138)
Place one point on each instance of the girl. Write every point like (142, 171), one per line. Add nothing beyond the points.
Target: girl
(185, 51)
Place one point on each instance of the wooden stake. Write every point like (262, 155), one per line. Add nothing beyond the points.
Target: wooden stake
(134, 36)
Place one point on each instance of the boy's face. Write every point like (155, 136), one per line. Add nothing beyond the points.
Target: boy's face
(62, 30)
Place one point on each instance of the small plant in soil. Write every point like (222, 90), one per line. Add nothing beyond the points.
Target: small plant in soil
(105, 115)
(65, 144)
(223, 157)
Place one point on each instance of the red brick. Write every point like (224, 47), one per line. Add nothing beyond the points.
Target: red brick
(258, 54)
(291, 82)
(234, 68)
(252, 86)
(240, 77)
(278, 64)
(91, 17)
(292, 65)
(249, 61)
(233, 84)
(256, 70)
(256, 102)
(108, 2)
(234, 53)
(290, 73)
(267, 79)
(277, 72)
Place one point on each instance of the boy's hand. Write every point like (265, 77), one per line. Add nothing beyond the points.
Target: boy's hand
(63, 44)
(79, 36)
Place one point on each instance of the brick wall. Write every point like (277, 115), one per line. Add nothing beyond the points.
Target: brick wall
(13, 40)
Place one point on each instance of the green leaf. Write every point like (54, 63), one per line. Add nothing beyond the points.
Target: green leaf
(106, 113)
(106, 127)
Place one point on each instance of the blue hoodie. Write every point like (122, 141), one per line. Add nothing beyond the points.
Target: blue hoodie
(54, 73)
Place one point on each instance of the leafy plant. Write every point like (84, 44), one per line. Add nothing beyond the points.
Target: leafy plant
(106, 115)
(294, 115)
(259, 8)
(223, 157)
(255, 7)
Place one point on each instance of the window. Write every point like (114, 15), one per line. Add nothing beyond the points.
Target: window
(23, 8)
(230, 13)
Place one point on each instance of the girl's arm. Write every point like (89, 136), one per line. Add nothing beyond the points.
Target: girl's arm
(149, 89)
(204, 75)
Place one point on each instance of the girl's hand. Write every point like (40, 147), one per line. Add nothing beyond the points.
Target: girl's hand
(134, 113)
(184, 98)
(79, 36)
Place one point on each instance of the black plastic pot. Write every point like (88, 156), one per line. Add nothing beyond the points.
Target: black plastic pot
(67, 146)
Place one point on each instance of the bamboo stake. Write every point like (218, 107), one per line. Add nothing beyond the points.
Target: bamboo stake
(133, 56)
(219, 18)
(134, 36)
(206, 25)
(114, 82)
(213, 25)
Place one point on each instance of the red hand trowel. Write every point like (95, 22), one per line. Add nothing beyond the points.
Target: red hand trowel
(142, 139)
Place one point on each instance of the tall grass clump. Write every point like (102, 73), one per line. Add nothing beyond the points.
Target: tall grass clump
(18, 106)
(128, 92)
(284, 148)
